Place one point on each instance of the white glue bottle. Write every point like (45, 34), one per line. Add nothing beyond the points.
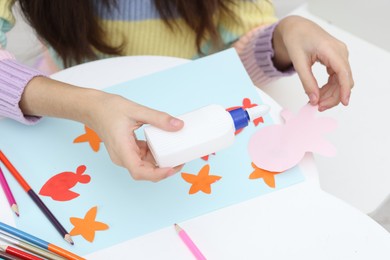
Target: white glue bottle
(206, 130)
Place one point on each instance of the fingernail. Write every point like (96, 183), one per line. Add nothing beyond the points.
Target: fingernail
(347, 99)
(175, 122)
(313, 98)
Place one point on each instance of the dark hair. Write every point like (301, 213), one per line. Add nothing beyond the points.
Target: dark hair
(71, 26)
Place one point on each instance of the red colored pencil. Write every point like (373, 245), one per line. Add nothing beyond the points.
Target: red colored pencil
(19, 253)
(21, 235)
(35, 198)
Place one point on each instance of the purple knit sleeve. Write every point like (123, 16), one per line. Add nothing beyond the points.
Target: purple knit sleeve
(264, 53)
(13, 79)
(256, 53)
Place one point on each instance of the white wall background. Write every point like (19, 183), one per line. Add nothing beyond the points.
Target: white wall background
(369, 20)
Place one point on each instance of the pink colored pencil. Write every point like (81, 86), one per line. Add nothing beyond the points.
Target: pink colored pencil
(8, 193)
(189, 243)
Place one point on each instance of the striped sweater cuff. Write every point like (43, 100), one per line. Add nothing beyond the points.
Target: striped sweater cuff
(256, 52)
(13, 79)
(264, 53)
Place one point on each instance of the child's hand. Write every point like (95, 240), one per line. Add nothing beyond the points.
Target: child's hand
(112, 117)
(301, 42)
(115, 121)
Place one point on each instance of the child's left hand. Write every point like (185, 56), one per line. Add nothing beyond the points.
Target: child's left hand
(300, 42)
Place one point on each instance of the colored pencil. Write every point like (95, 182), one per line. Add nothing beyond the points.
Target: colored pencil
(189, 243)
(38, 242)
(8, 193)
(18, 253)
(6, 256)
(19, 178)
(27, 246)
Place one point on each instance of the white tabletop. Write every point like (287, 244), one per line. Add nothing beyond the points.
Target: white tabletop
(359, 174)
(299, 222)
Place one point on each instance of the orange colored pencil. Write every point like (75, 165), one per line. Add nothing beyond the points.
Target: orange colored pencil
(35, 198)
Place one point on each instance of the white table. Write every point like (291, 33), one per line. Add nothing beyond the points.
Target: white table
(299, 222)
(359, 174)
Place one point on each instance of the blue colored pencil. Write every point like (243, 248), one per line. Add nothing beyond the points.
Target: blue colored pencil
(39, 242)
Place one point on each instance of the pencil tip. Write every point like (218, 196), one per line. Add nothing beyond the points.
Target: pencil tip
(178, 228)
(15, 209)
(68, 239)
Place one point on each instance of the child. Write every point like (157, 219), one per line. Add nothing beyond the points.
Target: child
(79, 31)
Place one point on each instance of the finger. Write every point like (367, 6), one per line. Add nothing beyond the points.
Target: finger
(346, 84)
(146, 155)
(142, 166)
(330, 97)
(339, 65)
(302, 66)
(146, 170)
(157, 118)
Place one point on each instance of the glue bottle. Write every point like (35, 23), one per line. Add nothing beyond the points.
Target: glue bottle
(205, 131)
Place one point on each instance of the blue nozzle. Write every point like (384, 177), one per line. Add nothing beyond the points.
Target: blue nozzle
(240, 118)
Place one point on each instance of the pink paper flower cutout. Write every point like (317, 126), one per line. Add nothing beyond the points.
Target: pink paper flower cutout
(278, 148)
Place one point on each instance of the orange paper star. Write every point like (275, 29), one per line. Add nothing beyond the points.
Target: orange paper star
(87, 226)
(91, 137)
(268, 177)
(202, 181)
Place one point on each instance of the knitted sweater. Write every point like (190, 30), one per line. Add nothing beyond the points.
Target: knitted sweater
(139, 25)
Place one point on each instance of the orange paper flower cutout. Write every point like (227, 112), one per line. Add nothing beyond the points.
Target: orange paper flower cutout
(87, 226)
(202, 181)
(91, 137)
(268, 177)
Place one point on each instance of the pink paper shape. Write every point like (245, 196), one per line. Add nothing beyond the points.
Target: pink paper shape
(278, 148)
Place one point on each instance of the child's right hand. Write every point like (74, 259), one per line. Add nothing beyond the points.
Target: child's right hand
(112, 117)
(115, 121)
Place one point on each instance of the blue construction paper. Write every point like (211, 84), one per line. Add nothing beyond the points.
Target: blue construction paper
(134, 208)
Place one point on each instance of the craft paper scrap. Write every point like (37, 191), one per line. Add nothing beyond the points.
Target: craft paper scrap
(134, 208)
(278, 148)
(58, 187)
(201, 181)
(87, 226)
(267, 176)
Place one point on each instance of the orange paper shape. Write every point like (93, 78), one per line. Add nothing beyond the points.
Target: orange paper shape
(91, 137)
(58, 187)
(87, 226)
(202, 181)
(247, 103)
(267, 176)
